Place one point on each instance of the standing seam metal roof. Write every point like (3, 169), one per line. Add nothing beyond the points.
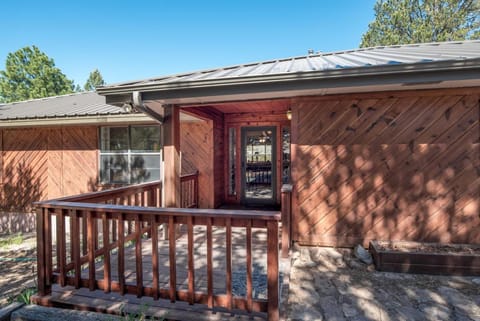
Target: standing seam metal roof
(358, 58)
(72, 105)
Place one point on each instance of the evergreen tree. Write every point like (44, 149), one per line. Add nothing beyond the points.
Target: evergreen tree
(94, 80)
(30, 73)
(418, 21)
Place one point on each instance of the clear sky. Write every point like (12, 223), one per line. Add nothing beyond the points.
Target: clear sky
(131, 40)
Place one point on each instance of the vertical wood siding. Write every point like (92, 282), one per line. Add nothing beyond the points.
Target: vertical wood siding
(43, 163)
(388, 167)
(196, 144)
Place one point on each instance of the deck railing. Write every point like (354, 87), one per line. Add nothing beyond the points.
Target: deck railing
(189, 190)
(99, 238)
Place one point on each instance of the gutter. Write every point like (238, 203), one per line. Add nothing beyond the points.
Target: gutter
(85, 120)
(415, 70)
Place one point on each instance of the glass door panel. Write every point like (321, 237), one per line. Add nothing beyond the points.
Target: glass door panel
(258, 160)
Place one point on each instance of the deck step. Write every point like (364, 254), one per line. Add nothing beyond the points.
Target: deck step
(39, 313)
(113, 304)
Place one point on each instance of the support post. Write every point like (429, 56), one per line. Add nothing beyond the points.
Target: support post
(43, 245)
(272, 271)
(286, 219)
(171, 154)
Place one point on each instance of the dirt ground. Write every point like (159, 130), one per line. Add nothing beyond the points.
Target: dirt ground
(17, 267)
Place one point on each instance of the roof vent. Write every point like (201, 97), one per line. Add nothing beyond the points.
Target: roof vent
(311, 51)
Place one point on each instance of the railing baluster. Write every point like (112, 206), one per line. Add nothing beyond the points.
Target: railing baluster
(47, 227)
(249, 265)
(272, 270)
(191, 269)
(91, 250)
(209, 263)
(114, 230)
(106, 254)
(75, 240)
(61, 246)
(155, 267)
(84, 235)
(121, 253)
(72, 234)
(228, 224)
(173, 263)
(138, 256)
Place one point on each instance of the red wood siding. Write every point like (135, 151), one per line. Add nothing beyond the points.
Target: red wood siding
(196, 144)
(43, 163)
(402, 166)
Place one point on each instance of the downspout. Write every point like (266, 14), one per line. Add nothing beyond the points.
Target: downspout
(139, 105)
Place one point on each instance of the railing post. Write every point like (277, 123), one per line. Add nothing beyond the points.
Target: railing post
(272, 271)
(43, 245)
(286, 218)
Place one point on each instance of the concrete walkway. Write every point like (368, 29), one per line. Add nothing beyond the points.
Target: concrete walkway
(330, 284)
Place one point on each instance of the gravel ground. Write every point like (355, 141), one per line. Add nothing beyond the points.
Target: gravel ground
(17, 267)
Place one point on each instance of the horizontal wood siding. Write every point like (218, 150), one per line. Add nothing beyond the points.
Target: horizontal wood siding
(196, 145)
(387, 166)
(43, 163)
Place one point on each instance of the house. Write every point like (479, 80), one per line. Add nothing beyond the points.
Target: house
(375, 143)
(383, 143)
(57, 146)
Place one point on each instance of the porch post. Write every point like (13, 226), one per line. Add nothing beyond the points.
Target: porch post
(171, 154)
(286, 218)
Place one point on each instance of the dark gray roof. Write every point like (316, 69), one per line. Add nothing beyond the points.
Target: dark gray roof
(387, 56)
(73, 105)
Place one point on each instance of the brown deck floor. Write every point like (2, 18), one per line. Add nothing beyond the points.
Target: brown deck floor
(113, 302)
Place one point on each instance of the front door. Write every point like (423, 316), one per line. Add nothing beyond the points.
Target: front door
(258, 165)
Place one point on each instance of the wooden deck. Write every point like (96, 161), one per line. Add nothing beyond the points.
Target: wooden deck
(114, 303)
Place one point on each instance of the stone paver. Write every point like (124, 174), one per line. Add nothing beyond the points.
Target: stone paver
(331, 284)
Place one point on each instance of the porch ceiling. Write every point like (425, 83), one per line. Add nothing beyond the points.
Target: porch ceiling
(247, 106)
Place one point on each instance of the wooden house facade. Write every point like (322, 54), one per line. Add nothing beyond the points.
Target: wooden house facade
(56, 146)
(378, 143)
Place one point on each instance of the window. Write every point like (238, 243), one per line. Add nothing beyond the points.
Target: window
(232, 156)
(286, 178)
(129, 154)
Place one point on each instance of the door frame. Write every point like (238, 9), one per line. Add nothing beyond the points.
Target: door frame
(273, 176)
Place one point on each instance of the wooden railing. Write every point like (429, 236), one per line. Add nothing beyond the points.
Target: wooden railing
(189, 190)
(100, 237)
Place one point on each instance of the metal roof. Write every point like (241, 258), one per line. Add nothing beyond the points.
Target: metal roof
(72, 105)
(318, 63)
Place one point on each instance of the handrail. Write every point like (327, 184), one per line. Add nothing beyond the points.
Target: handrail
(111, 193)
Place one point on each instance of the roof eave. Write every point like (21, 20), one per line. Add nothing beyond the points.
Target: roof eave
(76, 121)
(413, 69)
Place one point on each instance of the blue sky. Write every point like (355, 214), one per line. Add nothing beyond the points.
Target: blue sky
(130, 40)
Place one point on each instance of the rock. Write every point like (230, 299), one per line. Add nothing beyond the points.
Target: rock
(476, 281)
(363, 255)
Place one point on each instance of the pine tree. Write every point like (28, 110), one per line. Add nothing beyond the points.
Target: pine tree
(30, 73)
(94, 80)
(418, 21)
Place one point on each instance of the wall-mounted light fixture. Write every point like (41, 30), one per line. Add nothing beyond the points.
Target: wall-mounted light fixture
(289, 113)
